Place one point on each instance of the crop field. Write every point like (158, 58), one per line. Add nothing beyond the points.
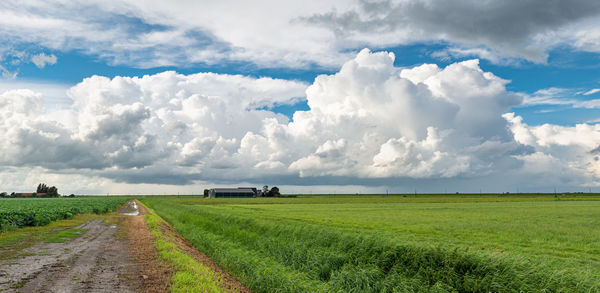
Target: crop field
(436, 243)
(22, 212)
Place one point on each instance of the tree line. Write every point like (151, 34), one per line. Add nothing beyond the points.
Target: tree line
(42, 190)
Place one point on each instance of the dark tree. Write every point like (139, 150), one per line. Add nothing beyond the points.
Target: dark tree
(3, 194)
(206, 191)
(42, 188)
(273, 192)
(50, 191)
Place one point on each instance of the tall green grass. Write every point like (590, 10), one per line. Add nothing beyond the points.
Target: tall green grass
(334, 248)
(189, 275)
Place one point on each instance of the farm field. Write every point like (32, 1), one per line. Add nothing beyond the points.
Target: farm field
(22, 212)
(442, 243)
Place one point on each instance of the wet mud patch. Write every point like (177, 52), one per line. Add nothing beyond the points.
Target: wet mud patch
(130, 209)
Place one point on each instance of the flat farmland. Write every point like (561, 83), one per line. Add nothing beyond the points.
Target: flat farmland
(22, 212)
(442, 243)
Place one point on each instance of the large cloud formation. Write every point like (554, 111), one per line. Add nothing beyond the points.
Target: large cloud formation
(369, 123)
(494, 30)
(293, 33)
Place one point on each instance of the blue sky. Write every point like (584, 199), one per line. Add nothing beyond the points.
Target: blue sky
(242, 74)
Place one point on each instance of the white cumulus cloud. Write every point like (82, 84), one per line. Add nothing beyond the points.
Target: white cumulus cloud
(369, 123)
(564, 155)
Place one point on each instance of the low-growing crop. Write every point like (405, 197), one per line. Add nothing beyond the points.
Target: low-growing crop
(17, 213)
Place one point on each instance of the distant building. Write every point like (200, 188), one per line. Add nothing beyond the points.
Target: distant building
(232, 192)
(29, 194)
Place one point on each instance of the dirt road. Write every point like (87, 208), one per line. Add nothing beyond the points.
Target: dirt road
(115, 253)
(98, 260)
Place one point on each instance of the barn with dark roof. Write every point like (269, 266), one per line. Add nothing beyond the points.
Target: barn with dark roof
(232, 192)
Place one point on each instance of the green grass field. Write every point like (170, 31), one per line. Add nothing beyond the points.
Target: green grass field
(423, 243)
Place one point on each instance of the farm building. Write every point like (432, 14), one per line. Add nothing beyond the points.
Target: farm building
(232, 192)
(29, 194)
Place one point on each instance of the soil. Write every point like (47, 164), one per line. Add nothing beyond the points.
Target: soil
(153, 274)
(96, 261)
(106, 258)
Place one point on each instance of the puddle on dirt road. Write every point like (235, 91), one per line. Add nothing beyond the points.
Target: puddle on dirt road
(132, 209)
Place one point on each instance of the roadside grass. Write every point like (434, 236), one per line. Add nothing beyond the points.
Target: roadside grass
(66, 235)
(11, 242)
(17, 285)
(376, 244)
(189, 275)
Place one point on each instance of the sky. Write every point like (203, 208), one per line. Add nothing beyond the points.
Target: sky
(333, 96)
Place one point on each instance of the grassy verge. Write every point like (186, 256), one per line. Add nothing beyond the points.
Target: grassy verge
(189, 275)
(11, 242)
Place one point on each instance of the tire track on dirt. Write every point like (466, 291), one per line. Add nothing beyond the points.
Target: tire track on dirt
(105, 258)
(96, 261)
